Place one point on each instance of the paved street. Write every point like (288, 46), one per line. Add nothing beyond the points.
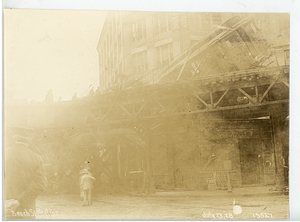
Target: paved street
(167, 205)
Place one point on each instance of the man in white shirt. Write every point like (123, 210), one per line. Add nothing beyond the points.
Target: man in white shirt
(86, 184)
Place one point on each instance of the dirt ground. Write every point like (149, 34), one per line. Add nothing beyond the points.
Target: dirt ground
(165, 205)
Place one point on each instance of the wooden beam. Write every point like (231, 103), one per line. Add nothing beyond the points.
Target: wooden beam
(286, 83)
(256, 93)
(178, 104)
(211, 98)
(202, 101)
(235, 107)
(159, 104)
(167, 70)
(268, 89)
(181, 71)
(266, 71)
(102, 118)
(196, 69)
(195, 87)
(221, 98)
(138, 113)
(149, 98)
(126, 111)
(247, 95)
(227, 108)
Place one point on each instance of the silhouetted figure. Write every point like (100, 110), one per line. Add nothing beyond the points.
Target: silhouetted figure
(98, 90)
(75, 97)
(49, 97)
(59, 99)
(92, 93)
(24, 179)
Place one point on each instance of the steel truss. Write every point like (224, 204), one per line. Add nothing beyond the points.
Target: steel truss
(244, 90)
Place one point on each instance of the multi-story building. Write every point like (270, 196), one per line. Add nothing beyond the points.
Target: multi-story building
(134, 44)
(137, 44)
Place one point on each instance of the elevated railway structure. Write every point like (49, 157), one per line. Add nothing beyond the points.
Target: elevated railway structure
(197, 105)
(244, 94)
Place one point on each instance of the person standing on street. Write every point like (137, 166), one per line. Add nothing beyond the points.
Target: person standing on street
(86, 185)
(24, 179)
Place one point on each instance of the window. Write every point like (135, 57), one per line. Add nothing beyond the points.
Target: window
(233, 40)
(206, 20)
(111, 66)
(140, 62)
(164, 22)
(101, 55)
(164, 54)
(139, 30)
(110, 33)
(217, 18)
(117, 21)
(113, 28)
(194, 20)
(119, 45)
(105, 48)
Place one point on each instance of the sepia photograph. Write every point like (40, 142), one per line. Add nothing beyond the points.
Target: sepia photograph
(161, 115)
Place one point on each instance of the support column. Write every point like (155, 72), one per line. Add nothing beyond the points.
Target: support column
(150, 175)
(276, 126)
(170, 166)
(115, 169)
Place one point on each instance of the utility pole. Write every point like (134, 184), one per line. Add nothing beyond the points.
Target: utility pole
(276, 128)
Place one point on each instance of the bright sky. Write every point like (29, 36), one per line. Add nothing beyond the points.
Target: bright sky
(50, 49)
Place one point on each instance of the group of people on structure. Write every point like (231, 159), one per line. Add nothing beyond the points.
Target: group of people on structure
(93, 93)
(49, 95)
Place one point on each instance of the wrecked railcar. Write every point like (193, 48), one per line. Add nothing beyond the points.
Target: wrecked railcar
(236, 45)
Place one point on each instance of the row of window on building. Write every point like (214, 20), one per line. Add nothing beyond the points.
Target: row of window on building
(111, 54)
(165, 22)
(164, 55)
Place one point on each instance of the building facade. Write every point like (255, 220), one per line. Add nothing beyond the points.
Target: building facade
(135, 44)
